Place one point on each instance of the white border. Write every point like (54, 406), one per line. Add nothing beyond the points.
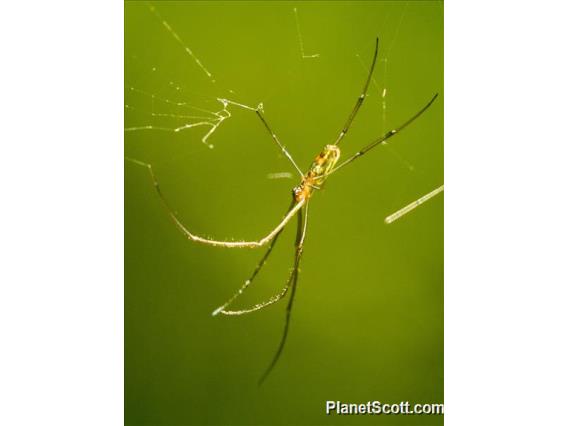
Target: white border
(61, 223)
(505, 212)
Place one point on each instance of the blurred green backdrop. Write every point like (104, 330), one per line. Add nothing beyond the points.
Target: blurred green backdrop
(368, 318)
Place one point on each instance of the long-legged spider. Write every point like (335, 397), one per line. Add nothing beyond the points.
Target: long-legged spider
(321, 168)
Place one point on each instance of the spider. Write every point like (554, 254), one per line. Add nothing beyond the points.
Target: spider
(323, 166)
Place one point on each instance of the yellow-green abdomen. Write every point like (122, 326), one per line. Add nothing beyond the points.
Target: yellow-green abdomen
(323, 164)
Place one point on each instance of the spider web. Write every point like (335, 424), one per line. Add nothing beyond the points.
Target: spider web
(173, 108)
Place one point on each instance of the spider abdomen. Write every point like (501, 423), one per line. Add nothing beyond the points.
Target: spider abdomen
(320, 169)
(323, 164)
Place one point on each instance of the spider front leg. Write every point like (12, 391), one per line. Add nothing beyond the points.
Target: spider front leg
(273, 299)
(222, 309)
(228, 244)
(292, 281)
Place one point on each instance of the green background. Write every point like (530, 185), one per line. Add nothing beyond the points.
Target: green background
(368, 317)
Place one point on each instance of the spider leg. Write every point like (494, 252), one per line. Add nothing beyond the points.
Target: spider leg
(273, 299)
(257, 307)
(222, 309)
(275, 138)
(383, 138)
(258, 111)
(292, 281)
(229, 244)
(361, 97)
